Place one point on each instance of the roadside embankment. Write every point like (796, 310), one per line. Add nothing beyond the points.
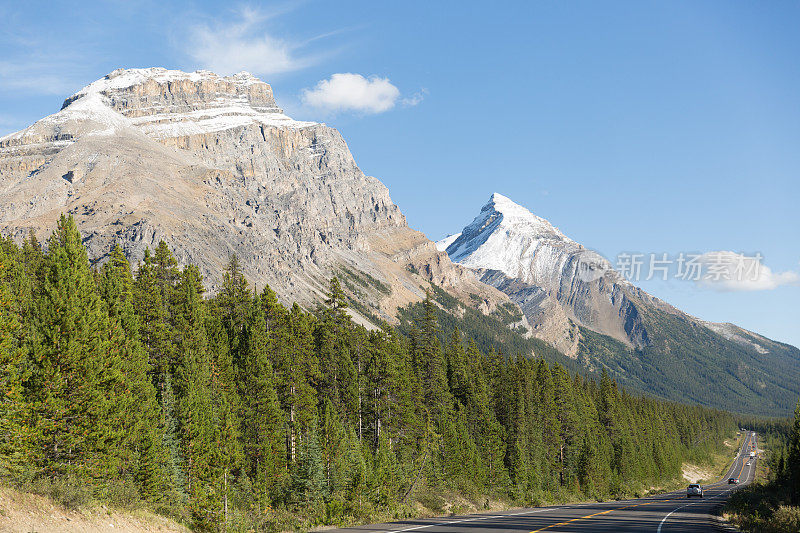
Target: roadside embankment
(23, 512)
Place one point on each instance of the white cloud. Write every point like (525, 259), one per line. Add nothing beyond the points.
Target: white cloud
(415, 98)
(352, 92)
(731, 271)
(245, 45)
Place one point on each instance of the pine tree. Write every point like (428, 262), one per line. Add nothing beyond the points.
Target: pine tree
(434, 375)
(566, 414)
(233, 302)
(152, 301)
(81, 403)
(297, 370)
(386, 474)
(146, 436)
(15, 452)
(340, 374)
(333, 441)
(166, 272)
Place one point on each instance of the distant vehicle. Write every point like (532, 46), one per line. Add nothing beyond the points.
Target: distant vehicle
(694, 490)
(748, 463)
(733, 481)
(752, 454)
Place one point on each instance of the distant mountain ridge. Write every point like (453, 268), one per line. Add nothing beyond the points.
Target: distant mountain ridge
(575, 300)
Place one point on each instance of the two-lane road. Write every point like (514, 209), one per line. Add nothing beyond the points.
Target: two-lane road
(665, 513)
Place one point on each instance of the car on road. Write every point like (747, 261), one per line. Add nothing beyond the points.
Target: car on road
(748, 463)
(694, 490)
(733, 481)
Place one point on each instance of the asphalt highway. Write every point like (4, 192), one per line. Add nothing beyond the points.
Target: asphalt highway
(664, 513)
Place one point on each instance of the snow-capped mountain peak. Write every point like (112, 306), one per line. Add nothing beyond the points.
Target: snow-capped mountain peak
(509, 208)
(507, 237)
(556, 282)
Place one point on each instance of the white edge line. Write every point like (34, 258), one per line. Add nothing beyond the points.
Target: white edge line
(542, 510)
(730, 471)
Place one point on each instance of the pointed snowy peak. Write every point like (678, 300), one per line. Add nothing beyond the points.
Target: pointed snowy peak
(504, 204)
(501, 213)
(507, 237)
(512, 210)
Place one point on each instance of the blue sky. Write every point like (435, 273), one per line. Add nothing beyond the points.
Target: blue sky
(652, 127)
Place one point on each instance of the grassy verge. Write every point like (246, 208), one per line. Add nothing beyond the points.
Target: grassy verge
(64, 508)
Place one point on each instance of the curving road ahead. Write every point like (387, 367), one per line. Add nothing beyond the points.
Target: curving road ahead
(665, 513)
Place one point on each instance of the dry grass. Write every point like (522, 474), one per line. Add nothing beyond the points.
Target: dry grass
(22, 512)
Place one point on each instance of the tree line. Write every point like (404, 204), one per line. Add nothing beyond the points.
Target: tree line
(235, 411)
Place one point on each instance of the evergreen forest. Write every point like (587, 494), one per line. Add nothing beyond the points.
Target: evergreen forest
(233, 411)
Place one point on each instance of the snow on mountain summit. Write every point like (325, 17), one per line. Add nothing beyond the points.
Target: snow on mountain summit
(160, 103)
(125, 78)
(443, 243)
(507, 237)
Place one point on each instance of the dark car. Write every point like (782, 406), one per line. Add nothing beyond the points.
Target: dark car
(733, 481)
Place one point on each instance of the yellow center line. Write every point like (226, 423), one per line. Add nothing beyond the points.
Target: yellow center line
(600, 513)
(741, 469)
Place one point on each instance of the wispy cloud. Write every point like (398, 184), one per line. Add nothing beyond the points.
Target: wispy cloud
(348, 92)
(39, 76)
(731, 271)
(415, 98)
(245, 44)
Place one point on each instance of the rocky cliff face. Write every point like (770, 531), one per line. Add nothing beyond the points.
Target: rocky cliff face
(212, 166)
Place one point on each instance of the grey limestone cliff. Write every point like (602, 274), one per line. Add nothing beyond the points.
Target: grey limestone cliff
(212, 166)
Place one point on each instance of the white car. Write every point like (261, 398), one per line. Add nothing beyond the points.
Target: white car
(694, 490)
